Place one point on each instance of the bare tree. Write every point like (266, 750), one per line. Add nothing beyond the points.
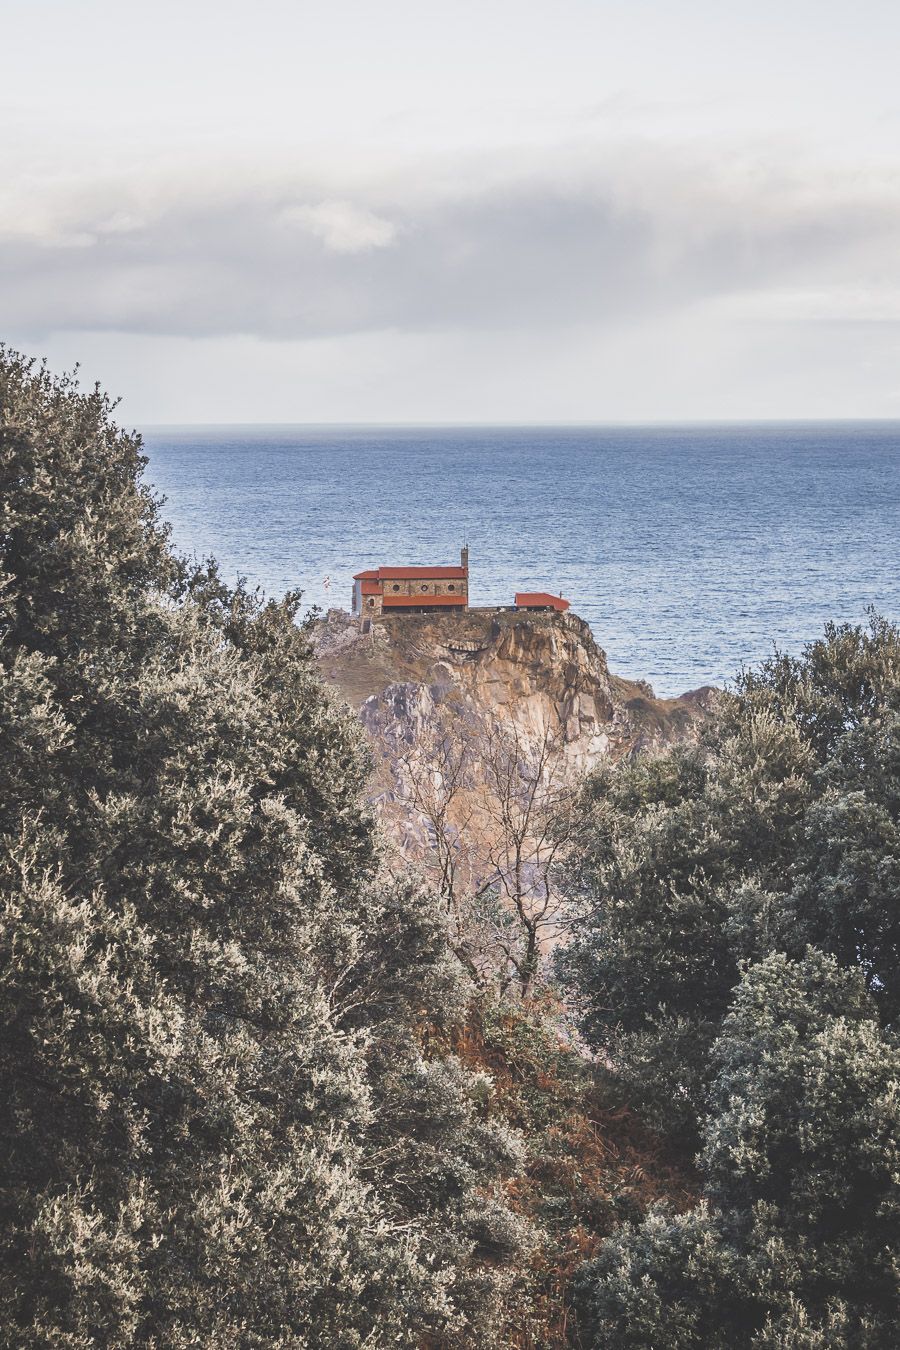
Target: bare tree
(436, 775)
(439, 779)
(493, 803)
(526, 802)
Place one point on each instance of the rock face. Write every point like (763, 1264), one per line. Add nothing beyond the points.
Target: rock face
(420, 681)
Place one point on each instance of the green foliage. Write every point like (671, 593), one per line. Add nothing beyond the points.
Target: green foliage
(587, 1168)
(779, 830)
(737, 960)
(219, 1125)
(796, 1243)
(246, 1097)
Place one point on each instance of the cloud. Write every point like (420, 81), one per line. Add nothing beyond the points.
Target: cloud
(342, 226)
(586, 238)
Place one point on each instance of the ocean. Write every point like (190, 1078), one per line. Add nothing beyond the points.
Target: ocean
(691, 551)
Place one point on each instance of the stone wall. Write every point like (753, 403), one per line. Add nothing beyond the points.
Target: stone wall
(420, 588)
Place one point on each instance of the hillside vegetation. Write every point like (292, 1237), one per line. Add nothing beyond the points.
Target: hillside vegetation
(221, 1123)
(255, 1088)
(737, 960)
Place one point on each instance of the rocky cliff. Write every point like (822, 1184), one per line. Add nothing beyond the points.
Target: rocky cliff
(438, 693)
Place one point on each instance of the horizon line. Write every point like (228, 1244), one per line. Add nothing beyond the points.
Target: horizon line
(531, 426)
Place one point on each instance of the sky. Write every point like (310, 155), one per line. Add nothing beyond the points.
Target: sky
(514, 211)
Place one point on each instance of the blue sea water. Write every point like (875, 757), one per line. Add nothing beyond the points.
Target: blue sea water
(691, 550)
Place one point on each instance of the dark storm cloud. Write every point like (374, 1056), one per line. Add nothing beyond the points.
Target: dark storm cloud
(537, 248)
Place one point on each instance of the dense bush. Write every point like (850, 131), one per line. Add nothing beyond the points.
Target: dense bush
(737, 962)
(796, 1243)
(589, 1166)
(779, 830)
(219, 1124)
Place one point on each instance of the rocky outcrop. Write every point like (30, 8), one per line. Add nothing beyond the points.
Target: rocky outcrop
(480, 724)
(418, 679)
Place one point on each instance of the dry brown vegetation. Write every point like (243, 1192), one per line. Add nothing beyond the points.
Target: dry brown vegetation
(590, 1165)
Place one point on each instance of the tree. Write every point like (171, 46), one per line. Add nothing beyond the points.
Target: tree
(779, 830)
(436, 781)
(525, 840)
(221, 1121)
(795, 1244)
(494, 804)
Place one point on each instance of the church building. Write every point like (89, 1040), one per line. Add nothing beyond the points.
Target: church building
(406, 590)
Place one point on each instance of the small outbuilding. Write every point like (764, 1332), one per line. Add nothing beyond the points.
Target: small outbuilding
(541, 600)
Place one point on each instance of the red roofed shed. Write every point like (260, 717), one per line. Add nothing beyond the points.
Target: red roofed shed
(540, 600)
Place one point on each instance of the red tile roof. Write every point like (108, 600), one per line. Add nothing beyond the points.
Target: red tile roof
(534, 599)
(413, 574)
(399, 601)
(421, 573)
